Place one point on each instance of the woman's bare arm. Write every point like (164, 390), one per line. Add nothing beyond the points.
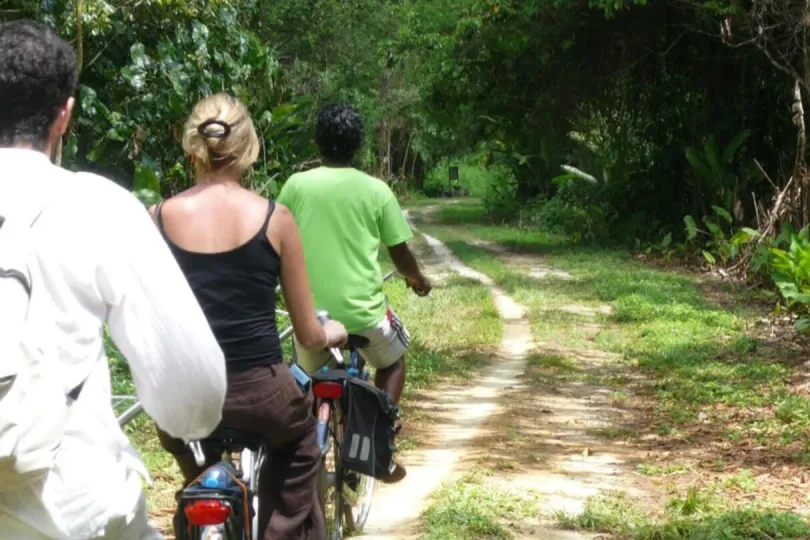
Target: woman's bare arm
(294, 283)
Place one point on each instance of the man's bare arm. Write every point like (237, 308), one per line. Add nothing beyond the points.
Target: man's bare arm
(406, 264)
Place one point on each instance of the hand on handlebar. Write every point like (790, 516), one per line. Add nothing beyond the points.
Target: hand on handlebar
(421, 286)
(336, 335)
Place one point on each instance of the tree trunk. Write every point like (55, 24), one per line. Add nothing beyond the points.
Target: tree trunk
(801, 180)
(407, 150)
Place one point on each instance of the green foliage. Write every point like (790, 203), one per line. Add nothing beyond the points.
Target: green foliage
(719, 243)
(715, 166)
(791, 272)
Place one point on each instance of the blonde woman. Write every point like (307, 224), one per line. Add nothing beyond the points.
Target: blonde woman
(234, 247)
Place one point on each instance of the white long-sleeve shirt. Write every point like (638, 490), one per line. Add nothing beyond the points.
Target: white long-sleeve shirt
(101, 259)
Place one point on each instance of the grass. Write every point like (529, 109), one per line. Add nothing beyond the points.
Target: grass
(472, 508)
(696, 515)
(702, 383)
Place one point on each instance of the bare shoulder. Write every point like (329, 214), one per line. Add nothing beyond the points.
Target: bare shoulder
(283, 217)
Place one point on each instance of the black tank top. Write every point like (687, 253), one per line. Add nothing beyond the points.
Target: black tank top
(237, 292)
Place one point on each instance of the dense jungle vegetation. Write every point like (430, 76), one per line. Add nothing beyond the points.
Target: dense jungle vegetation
(676, 127)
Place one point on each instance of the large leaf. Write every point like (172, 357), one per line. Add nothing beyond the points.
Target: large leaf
(691, 227)
(716, 231)
(563, 179)
(723, 213)
(734, 145)
(713, 158)
(802, 325)
(743, 236)
(698, 163)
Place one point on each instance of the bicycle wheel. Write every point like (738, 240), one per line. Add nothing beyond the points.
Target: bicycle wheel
(331, 479)
(358, 489)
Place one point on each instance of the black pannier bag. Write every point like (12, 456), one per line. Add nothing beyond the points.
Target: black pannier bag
(368, 445)
(370, 419)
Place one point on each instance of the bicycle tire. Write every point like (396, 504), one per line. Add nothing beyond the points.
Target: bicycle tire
(330, 488)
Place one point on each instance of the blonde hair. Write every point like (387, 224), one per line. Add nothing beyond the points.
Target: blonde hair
(219, 134)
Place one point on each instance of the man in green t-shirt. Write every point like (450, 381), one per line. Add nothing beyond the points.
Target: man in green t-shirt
(344, 215)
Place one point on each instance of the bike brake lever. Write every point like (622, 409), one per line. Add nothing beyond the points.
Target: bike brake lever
(199, 455)
(335, 352)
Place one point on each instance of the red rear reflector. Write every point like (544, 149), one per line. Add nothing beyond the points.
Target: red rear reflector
(207, 512)
(328, 390)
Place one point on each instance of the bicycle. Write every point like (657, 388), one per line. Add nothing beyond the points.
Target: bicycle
(345, 495)
(223, 500)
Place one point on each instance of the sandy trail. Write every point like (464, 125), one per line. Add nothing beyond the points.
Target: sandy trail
(396, 509)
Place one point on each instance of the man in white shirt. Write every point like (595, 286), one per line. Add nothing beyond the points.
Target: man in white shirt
(99, 259)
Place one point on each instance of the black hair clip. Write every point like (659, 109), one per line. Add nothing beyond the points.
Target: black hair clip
(205, 132)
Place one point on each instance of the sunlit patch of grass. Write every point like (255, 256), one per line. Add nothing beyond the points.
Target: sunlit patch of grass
(696, 515)
(651, 469)
(472, 508)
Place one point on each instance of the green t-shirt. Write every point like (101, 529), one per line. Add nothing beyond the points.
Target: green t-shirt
(343, 215)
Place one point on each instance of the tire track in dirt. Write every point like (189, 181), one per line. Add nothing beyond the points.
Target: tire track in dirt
(396, 509)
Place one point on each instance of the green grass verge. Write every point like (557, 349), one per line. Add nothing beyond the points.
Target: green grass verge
(698, 515)
(472, 508)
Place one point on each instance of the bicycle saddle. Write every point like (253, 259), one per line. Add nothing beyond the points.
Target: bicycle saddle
(233, 440)
(356, 341)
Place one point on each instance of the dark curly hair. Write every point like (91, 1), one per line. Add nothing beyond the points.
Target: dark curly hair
(339, 132)
(37, 76)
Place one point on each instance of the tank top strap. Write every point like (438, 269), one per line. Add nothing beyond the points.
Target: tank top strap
(159, 215)
(271, 206)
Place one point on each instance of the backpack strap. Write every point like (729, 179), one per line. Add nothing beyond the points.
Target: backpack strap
(74, 394)
(26, 282)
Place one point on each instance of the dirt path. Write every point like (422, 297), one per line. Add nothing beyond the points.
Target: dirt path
(537, 433)
(459, 412)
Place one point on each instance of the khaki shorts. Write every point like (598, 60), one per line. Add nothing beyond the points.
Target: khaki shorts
(388, 342)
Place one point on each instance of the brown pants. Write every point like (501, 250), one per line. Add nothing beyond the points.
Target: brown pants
(268, 401)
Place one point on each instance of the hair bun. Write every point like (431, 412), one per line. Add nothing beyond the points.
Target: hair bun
(214, 129)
